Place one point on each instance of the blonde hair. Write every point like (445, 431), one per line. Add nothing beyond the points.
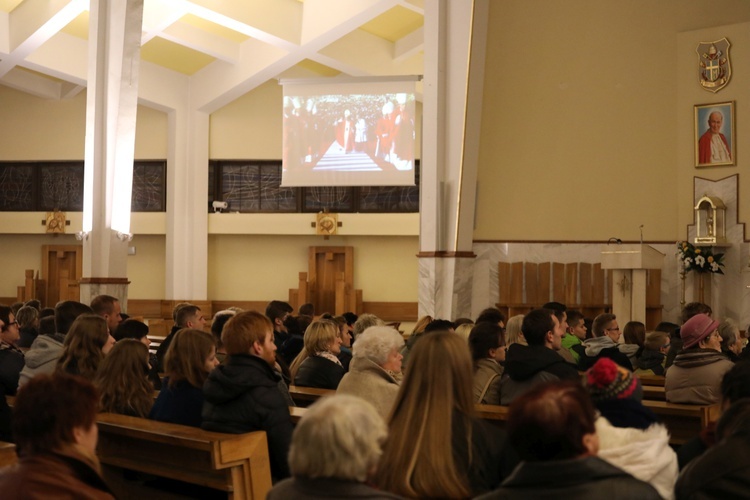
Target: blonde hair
(464, 330)
(339, 437)
(82, 349)
(421, 324)
(417, 457)
(186, 357)
(123, 380)
(513, 333)
(319, 336)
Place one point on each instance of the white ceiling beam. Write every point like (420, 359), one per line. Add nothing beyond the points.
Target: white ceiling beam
(409, 45)
(34, 22)
(64, 57)
(321, 17)
(70, 90)
(379, 60)
(30, 83)
(198, 39)
(233, 24)
(414, 6)
(157, 17)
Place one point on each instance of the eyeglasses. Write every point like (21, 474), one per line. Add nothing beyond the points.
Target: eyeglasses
(615, 329)
(13, 323)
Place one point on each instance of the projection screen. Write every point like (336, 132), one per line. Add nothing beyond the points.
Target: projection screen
(348, 132)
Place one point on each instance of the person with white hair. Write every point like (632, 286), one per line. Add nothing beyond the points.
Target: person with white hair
(375, 370)
(335, 450)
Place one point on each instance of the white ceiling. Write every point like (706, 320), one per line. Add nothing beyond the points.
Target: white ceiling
(240, 43)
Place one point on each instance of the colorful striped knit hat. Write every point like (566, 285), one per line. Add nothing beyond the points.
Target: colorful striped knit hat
(607, 380)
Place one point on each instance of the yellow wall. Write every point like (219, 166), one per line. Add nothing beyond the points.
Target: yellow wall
(32, 128)
(246, 267)
(579, 133)
(146, 268)
(21, 252)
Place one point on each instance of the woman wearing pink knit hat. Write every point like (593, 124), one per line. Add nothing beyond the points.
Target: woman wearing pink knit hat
(696, 374)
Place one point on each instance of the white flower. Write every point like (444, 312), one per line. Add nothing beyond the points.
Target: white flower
(688, 261)
(699, 261)
(714, 267)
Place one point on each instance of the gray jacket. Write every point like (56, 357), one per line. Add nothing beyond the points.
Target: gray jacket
(41, 357)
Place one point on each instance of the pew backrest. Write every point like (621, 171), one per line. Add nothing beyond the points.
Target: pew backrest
(7, 454)
(237, 464)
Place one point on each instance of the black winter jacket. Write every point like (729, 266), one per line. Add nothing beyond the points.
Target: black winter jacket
(319, 372)
(243, 396)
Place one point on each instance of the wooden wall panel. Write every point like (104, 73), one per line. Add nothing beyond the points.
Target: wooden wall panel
(516, 283)
(571, 284)
(558, 282)
(653, 287)
(597, 289)
(532, 283)
(503, 281)
(586, 285)
(545, 270)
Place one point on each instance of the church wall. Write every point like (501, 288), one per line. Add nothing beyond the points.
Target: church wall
(579, 131)
(248, 267)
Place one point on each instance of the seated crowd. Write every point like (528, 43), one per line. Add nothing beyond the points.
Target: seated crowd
(403, 421)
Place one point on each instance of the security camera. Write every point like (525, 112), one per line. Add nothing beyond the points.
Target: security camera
(220, 205)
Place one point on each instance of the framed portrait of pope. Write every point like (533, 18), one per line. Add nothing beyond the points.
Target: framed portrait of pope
(715, 143)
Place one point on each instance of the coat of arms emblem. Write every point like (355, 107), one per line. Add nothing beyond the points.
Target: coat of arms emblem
(714, 67)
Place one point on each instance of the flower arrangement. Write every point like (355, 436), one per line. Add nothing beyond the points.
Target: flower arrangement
(699, 259)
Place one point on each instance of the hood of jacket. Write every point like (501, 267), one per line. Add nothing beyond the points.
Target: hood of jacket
(650, 359)
(240, 374)
(523, 362)
(594, 346)
(645, 454)
(44, 350)
(690, 358)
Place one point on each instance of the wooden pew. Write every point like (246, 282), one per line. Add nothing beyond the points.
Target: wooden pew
(305, 396)
(654, 393)
(237, 464)
(684, 422)
(656, 380)
(7, 454)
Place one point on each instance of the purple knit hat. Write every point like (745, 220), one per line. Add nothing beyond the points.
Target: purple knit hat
(696, 329)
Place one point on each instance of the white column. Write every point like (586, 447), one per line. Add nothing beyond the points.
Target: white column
(187, 205)
(455, 44)
(111, 107)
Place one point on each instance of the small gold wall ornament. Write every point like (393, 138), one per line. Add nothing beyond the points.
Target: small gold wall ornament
(714, 66)
(710, 221)
(327, 224)
(55, 222)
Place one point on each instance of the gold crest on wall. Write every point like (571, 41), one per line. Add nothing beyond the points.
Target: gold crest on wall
(714, 67)
(327, 224)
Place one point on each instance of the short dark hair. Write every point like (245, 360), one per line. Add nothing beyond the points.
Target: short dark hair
(483, 337)
(47, 325)
(5, 313)
(47, 311)
(217, 325)
(666, 327)
(490, 315)
(351, 318)
(103, 304)
(185, 312)
(574, 316)
(557, 308)
(634, 332)
(536, 325)
(48, 408)
(130, 329)
(601, 322)
(278, 309)
(693, 308)
(66, 313)
(439, 325)
(550, 421)
(307, 309)
(36, 304)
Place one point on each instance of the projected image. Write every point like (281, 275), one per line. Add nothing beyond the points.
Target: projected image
(352, 136)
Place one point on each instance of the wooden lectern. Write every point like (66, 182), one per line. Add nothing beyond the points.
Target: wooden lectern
(629, 264)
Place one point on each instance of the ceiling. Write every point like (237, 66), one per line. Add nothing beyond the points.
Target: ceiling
(44, 43)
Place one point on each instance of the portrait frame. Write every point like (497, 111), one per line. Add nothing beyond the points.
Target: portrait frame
(704, 156)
